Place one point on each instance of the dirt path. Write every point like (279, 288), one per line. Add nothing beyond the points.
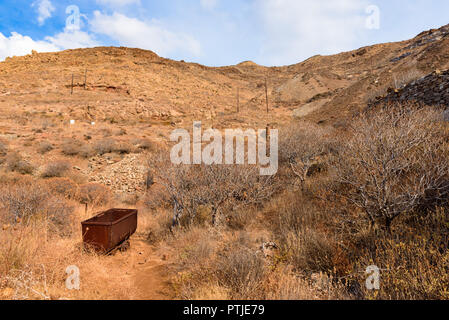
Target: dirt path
(149, 273)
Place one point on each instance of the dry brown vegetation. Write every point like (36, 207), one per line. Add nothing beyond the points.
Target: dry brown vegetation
(373, 194)
(353, 189)
(379, 198)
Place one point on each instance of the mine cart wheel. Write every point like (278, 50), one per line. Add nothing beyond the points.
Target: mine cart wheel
(125, 246)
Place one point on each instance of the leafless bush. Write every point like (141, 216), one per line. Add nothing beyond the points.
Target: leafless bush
(144, 144)
(16, 163)
(396, 162)
(123, 148)
(63, 187)
(404, 78)
(44, 147)
(71, 147)
(104, 146)
(94, 194)
(60, 215)
(241, 271)
(87, 151)
(223, 188)
(56, 169)
(3, 149)
(23, 201)
(301, 147)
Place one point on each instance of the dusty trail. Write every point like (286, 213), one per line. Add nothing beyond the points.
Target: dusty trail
(148, 272)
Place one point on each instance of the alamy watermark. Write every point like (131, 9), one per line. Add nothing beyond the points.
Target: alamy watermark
(73, 280)
(262, 147)
(373, 280)
(372, 22)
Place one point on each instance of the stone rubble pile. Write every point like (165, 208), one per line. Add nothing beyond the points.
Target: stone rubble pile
(429, 37)
(127, 176)
(432, 89)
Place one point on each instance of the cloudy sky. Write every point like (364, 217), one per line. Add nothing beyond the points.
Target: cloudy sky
(215, 32)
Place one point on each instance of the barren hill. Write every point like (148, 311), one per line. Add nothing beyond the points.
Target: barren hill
(136, 85)
(134, 94)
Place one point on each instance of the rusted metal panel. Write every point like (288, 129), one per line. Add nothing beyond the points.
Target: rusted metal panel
(108, 229)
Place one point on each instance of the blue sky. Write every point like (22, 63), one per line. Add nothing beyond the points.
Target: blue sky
(216, 32)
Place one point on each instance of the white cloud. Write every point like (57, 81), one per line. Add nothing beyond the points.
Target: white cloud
(151, 35)
(209, 4)
(118, 3)
(297, 29)
(44, 10)
(19, 45)
(72, 40)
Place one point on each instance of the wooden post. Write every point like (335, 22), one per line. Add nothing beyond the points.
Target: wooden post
(266, 92)
(238, 100)
(71, 88)
(85, 79)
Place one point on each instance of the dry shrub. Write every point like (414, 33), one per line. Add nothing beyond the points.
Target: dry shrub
(27, 203)
(241, 271)
(123, 148)
(104, 146)
(18, 245)
(224, 188)
(63, 187)
(284, 284)
(94, 194)
(157, 197)
(310, 251)
(44, 147)
(144, 144)
(71, 147)
(414, 264)
(156, 226)
(56, 169)
(3, 152)
(396, 163)
(15, 163)
(59, 213)
(23, 201)
(87, 151)
(3, 149)
(404, 78)
(302, 148)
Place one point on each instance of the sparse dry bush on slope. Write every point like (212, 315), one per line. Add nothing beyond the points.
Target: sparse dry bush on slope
(222, 188)
(44, 147)
(104, 146)
(56, 169)
(396, 162)
(15, 163)
(71, 147)
(27, 202)
(94, 194)
(301, 146)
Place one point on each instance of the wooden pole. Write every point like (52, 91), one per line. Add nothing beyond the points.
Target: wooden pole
(85, 79)
(71, 88)
(266, 92)
(238, 100)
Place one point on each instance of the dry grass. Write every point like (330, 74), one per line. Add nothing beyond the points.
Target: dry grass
(56, 169)
(15, 163)
(41, 241)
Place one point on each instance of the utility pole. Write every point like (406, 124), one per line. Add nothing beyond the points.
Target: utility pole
(71, 90)
(85, 79)
(238, 100)
(266, 92)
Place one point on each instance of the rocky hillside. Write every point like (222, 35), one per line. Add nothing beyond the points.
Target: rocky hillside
(126, 85)
(432, 89)
(132, 94)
